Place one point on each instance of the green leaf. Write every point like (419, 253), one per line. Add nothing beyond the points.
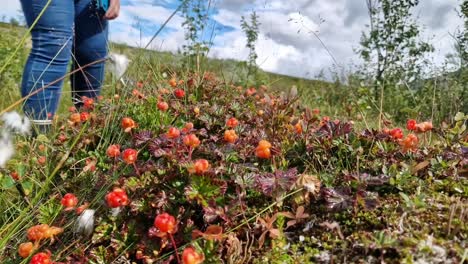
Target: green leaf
(21, 169)
(459, 116)
(27, 186)
(6, 182)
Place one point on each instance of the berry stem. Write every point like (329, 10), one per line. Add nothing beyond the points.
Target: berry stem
(136, 169)
(190, 153)
(114, 165)
(175, 248)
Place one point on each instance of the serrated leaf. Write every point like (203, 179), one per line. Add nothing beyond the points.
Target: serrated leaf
(6, 182)
(159, 153)
(459, 116)
(337, 199)
(27, 186)
(21, 169)
(272, 184)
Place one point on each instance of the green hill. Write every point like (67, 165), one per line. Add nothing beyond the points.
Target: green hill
(232, 70)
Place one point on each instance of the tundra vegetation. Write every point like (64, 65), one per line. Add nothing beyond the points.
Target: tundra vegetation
(189, 159)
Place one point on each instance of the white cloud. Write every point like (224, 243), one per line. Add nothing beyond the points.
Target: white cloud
(10, 9)
(124, 29)
(287, 43)
(155, 14)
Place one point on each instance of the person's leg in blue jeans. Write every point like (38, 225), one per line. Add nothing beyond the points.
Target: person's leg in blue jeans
(90, 45)
(53, 38)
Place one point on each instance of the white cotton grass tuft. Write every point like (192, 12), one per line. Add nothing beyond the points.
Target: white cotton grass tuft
(11, 122)
(116, 211)
(118, 64)
(7, 150)
(85, 223)
(15, 122)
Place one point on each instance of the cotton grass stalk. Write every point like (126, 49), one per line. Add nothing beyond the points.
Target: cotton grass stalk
(7, 149)
(16, 123)
(85, 223)
(12, 122)
(118, 65)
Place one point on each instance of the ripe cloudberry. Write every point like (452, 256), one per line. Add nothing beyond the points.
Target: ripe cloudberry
(230, 136)
(129, 156)
(191, 256)
(118, 197)
(179, 93)
(411, 124)
(191, 140)
(113, 151)
(69, 201)
(232, 122)
(163, 106)
(25, 249)
(173, 133)
(165, 223)
(41, 258)
(128, 124)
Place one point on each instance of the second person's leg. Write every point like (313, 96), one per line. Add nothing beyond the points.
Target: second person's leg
(52, 39)
(90, 45)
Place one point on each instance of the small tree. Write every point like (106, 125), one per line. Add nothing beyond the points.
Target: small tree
(391, 49)
(14, 22)
(462, 35)
(462, 50)
(195, 13)
(251, 33)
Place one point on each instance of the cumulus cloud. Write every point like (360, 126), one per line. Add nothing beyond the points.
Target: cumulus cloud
(292, 33)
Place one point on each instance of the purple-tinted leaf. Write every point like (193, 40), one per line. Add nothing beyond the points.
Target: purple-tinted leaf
(214, 138)
(266, 183)
(337, 199)
(378, 180)
(286, 179)
(369, 200)
(371, 203)
(374, 134)
(464, 151)
(148, 166)
(203, 132)
(142, 137)
(221, 184)
(157, 153)
(368, 179)
(273, 183)
(382, 136)
(367, 133)
(449, 155)
(210, 214)
(332, 130)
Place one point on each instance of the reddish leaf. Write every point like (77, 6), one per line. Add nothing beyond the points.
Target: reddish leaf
(272, 184)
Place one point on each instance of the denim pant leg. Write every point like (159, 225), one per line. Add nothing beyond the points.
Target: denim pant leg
(90, 45)
(52, 39)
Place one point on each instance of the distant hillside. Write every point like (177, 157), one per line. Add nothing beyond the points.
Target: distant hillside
(231, 70)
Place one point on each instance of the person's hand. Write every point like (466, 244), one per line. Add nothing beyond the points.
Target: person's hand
(114, 9)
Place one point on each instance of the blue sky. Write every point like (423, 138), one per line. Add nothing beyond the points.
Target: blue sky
(286, 43)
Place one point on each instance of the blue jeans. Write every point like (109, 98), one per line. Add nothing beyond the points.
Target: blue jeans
(68, 29)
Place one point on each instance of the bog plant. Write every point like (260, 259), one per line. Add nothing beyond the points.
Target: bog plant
(187, 167)
(213, 173)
